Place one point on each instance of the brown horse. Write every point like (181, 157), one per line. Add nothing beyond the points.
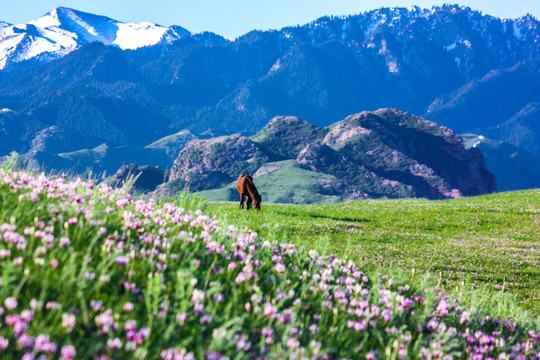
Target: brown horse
(246, 188)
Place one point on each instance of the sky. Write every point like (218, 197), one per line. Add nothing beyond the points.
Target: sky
(232, 18)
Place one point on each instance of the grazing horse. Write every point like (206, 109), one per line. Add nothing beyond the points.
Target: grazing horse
(246, 188)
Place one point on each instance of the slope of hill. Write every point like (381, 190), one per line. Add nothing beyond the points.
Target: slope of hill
(101, 160)
(322, 71)
(173, 144)
(286, 182)
(371, 154)
(514, 168)
(522, 130)
(52, 150)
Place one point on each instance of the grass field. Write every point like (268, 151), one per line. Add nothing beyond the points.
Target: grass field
(488, 241)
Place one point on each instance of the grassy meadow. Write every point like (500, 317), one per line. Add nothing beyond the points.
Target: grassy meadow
(92, 272)
(488, 241)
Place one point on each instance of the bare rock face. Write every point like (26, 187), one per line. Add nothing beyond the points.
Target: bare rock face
(475, 179)
(212, 163)
(148, 178)
(410, 150)
(357, 180)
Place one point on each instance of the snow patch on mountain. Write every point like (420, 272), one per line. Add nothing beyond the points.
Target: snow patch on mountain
(135, 35)
(63, 30)
(276, 66)
(373, 27)
(392, 66)
(451, 47)
(517, 31)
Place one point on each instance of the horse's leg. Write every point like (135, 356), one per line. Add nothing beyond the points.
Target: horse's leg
(241, 201)
(249, 201)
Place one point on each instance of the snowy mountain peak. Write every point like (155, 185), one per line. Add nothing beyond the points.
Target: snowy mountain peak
(63, 30)
(458, 30)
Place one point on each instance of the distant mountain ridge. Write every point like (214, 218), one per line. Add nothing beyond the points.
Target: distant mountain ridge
(522, 130)
(63, 30)
(514, 168)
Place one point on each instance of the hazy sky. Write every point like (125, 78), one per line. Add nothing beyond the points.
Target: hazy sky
(232, 18)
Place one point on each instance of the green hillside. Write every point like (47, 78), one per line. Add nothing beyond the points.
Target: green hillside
(173, 144)
(100, 160)
(284, 182)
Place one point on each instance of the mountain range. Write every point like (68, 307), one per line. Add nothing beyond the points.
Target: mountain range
(78, 88)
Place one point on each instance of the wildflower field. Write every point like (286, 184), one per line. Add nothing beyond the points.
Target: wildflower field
(88, 272)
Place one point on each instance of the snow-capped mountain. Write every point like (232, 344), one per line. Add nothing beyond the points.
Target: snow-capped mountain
(400, 37)
(63, 30)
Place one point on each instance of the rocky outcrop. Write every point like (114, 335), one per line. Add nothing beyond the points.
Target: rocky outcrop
(386, 153)
(147, 178)
(213, 163)
(357, 180)
(408, 149)
(284, 136)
